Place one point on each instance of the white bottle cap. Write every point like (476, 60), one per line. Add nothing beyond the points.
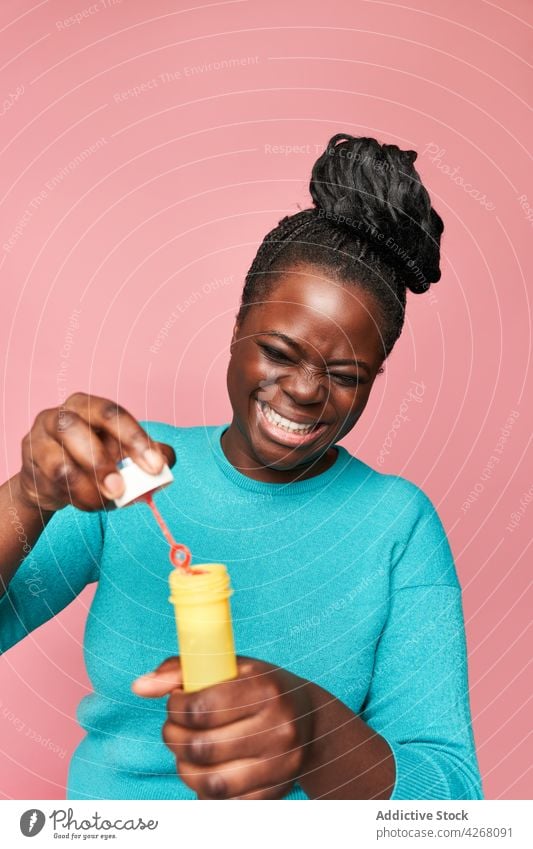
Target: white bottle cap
(138, 482)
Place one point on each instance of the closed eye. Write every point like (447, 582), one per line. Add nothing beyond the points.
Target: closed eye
(279, 356)
(274, 354)
(347, 379)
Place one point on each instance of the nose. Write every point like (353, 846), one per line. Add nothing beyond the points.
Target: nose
(304, 387)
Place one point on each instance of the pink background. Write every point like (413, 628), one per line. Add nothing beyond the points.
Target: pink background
(130, 206)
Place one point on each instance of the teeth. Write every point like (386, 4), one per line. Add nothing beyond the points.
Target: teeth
(285, 424)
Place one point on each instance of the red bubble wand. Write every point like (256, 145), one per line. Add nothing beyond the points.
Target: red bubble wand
(180, 555)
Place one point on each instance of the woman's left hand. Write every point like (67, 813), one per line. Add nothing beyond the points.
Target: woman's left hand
(246, 738)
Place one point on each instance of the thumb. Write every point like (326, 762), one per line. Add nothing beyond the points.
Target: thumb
(168, 452)
(163, 680)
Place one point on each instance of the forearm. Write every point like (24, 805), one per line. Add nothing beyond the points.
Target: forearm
(20, 527)
(346, 758)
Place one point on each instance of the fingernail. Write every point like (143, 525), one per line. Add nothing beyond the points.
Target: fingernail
(114, 484)
(153, 459)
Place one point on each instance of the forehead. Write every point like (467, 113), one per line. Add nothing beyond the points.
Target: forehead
(312, 308)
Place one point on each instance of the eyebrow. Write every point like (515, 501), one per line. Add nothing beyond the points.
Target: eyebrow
(294, 344)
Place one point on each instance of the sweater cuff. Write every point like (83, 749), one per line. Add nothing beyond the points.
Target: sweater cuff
(417, 775)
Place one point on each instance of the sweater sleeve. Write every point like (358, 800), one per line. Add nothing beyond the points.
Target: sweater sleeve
(418, 698)
(65, 558)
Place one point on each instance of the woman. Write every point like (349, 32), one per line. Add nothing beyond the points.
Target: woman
(347, 609)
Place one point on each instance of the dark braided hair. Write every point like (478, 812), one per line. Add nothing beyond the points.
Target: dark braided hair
(372, 226)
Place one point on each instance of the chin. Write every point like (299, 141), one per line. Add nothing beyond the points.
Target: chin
(291, 458)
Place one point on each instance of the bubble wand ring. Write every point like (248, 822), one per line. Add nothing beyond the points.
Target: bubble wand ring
(183, 562)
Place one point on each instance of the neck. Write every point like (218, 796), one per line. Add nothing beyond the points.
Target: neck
(242, 458)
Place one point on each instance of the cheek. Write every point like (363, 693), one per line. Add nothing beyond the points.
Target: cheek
(261, 379)
(354, 406)
(247, 377)
(267, 384)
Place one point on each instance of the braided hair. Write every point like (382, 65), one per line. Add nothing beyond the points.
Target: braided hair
(372, 225)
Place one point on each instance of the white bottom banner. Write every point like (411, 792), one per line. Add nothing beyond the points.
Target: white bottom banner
(256, 825)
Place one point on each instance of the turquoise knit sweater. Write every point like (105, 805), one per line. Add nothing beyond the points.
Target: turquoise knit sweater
(346, 579)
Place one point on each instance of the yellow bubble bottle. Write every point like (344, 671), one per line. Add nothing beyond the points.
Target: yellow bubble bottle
(200, 595)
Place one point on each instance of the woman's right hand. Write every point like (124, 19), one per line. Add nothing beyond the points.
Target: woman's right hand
(70, 454)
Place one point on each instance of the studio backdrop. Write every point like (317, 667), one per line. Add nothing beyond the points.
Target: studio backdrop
(146, 149)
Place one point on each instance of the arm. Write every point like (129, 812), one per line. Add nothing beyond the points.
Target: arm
(418, 698)
(253, 737)
(69, 458)
(21, 524)
(62, 561)
(413, 738)
(52, 512)
(346, 758)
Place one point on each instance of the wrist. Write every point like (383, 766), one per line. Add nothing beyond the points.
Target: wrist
(345, 758)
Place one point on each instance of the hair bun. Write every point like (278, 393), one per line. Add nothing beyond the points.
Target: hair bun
(375, 192)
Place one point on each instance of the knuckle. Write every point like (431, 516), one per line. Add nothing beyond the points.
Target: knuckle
(271, 690)
(102, 462)
(287, 735)
(74, 476)
(75, 397)
(198, 712)
(199, 751)
(216, 786)
(42, 416)
(167, 733)
(101, 467)
(66, 419)
(63, 473)
(110, 410)
(174, 705)
(58, 473)
(139, 440)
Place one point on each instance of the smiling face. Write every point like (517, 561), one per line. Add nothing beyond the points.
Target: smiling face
(302, 366)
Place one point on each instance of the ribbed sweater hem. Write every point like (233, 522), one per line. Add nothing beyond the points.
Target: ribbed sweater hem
(417, 776)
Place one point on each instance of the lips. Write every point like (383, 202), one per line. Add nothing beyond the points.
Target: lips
(295, 420)
(281, 434)
(288, 420)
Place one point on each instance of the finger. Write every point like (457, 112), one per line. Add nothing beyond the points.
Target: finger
(113, 448)
(254, 736)
(56, 477)
(161, 681)
(168, 453)
(84, 451)
(131, 439)
(276, 791)
(236, 778)
(219, 704)
(205, 748)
